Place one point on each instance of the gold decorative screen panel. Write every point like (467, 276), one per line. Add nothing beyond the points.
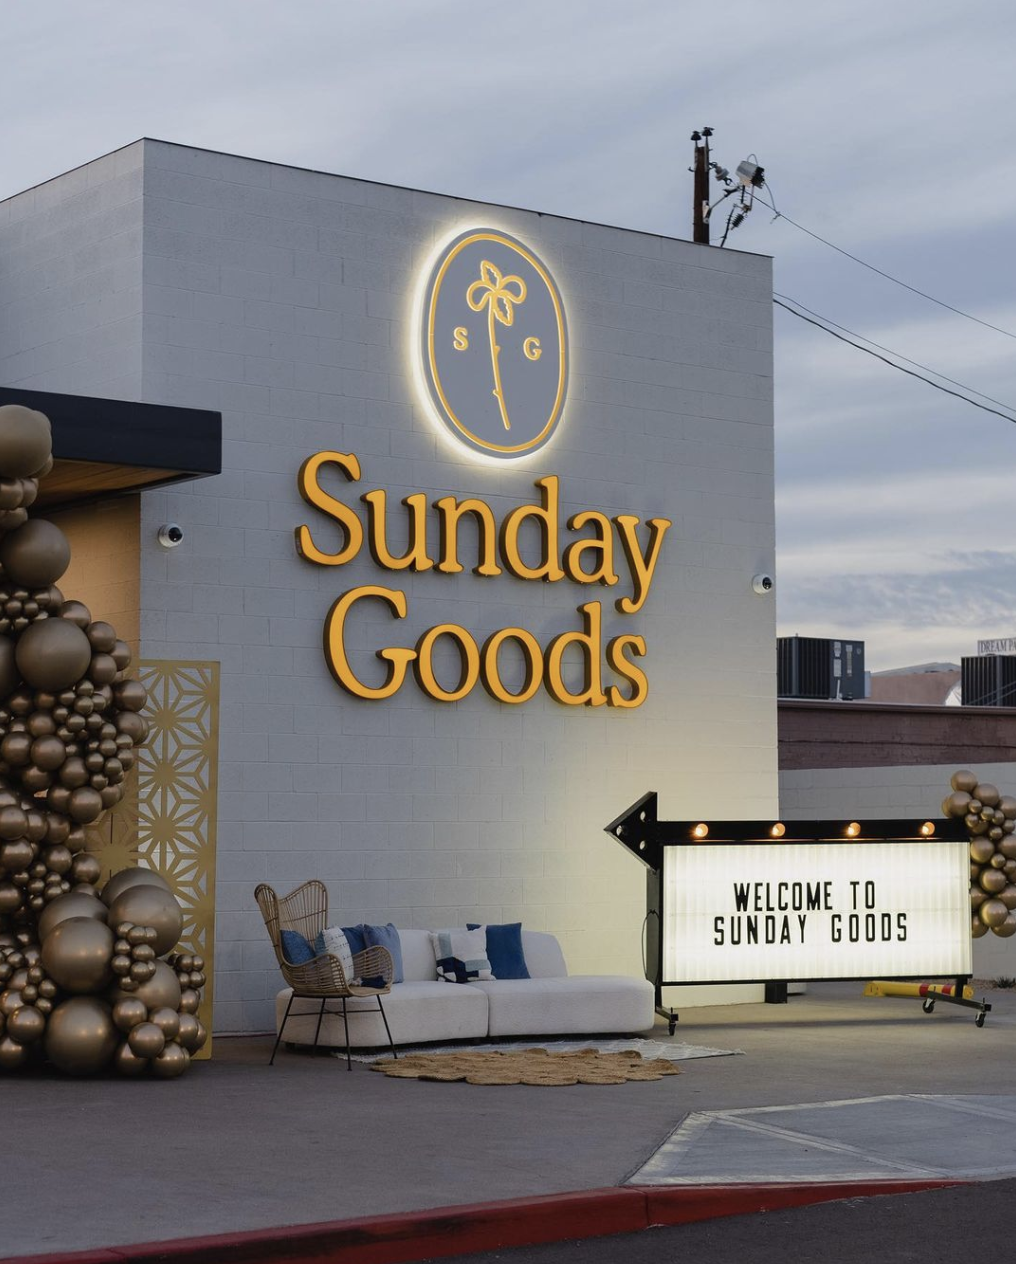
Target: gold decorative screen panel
(166, 820)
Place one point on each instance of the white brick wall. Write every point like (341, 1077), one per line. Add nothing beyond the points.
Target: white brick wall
(908, 791)
(280, 297)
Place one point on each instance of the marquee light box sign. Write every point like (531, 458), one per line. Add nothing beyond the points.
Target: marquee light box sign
(753, 901)
(758, 911)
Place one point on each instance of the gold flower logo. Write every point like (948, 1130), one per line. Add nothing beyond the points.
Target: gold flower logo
(500, 295)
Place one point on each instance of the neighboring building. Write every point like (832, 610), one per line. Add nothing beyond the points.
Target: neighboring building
(292, 303)
(927, 684)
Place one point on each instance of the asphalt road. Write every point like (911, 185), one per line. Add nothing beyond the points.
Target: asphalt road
(969, 1222)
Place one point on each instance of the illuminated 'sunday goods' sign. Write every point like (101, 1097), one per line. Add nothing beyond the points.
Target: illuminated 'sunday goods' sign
(758, 911)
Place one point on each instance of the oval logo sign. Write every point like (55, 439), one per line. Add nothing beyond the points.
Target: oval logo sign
(494, 344)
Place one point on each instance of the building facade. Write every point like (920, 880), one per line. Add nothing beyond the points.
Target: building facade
(374, 498)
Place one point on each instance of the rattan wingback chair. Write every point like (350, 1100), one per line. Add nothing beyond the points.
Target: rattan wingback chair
(305, 910)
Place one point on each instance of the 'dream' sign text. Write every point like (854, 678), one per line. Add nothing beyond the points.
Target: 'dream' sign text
(606, 551)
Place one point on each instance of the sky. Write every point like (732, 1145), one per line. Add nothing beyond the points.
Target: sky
(885, 128)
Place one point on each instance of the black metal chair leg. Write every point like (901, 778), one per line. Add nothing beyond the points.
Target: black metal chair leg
(321, 1014)
(345, 1019)
(384, 1019)
(278, 1038)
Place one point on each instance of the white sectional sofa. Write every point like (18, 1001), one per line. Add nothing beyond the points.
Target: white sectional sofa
(549, 1003)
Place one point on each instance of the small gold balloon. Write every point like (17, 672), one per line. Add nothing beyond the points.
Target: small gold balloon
(121, 964)
(987, 793)
(167, 1020)
(173, 1061)
(993, 913)
(993, 881)
(977, 897)
(26, 1025)
(963, 779)
(956, 804)
(190, 1001)
(1007, 928)
(981, 850)
(142, 971)
(1008, 848)
(188, 1032)
(12, 1055)
(975, 825)
(1008, 896)
(1007, 806)
(146, 1040)
(125, 1062)
(128, 1013)
(977, 928)
(202, 1035)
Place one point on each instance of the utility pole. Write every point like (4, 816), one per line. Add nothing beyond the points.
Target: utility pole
(700, 225)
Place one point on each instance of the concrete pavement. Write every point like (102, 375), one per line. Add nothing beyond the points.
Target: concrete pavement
(237, 1146)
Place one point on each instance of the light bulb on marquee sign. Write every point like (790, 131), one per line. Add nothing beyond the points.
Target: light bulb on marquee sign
(490, 343)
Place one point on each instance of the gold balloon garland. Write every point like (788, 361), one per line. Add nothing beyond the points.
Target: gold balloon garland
(85, 980)
(990, 819)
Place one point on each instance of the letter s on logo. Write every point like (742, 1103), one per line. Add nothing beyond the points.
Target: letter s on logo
(460, 338)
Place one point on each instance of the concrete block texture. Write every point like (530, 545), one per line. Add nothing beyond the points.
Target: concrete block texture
(286, 299)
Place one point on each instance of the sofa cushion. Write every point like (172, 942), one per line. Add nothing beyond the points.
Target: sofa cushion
(577, 1004)
(504, 949)
(387, 937)
(461, 955)
(416, 1012)
(544, 958)
(418, 964)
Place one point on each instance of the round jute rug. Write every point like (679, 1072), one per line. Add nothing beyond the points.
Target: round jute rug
(529, 1066)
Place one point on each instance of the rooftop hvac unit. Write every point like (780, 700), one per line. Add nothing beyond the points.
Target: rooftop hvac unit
(816, 667)
(989, 680)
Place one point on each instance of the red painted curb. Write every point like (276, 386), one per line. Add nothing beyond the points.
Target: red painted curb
(447, 1231)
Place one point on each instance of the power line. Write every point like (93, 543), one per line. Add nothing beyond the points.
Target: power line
(888, 276)
(892, 364)
(898, 355)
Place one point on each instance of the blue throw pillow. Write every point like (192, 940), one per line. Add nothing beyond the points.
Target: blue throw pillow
(387, 937)
(295, 948)
(504, 950)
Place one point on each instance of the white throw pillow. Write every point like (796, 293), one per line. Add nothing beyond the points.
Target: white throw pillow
(335, 942)
(461, 955)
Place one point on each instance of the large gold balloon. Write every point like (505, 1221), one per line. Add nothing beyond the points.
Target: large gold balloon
(10, 677)
(993, 913)
(1007, 806)
(80, 1037)
(981, 850)
(52, 654)
(161, 991)
(76, 954)
(964, 780)
(1008, 896)
(36, 554)
(150, 905)
(171, 1062)
(64, 907)
(133, 877)
(25, 441)
(167, 1021)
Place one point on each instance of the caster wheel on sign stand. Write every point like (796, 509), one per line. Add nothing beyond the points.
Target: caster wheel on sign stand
(928, 1006)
